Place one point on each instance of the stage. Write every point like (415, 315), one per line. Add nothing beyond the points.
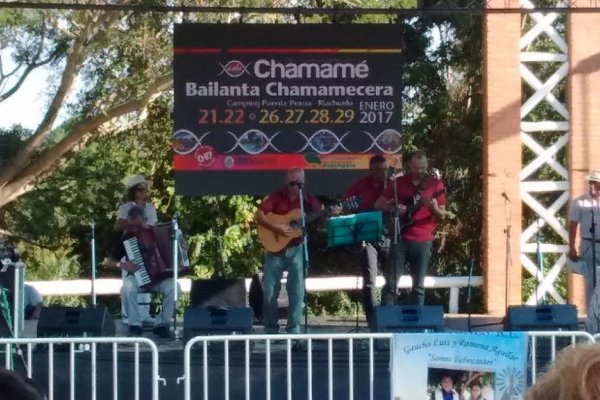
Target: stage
(292, 369)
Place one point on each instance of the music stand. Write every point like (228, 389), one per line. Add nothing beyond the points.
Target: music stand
(353, 229)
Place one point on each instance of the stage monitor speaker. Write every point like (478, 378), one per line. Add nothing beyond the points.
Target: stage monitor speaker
(218, 292)
(409, 319)
(216, 321)
(541, 318)
(75, 322)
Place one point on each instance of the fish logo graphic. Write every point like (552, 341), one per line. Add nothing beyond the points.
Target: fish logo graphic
(234, 69)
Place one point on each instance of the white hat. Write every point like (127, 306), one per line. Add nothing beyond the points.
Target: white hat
(594, 176)
(135, 180)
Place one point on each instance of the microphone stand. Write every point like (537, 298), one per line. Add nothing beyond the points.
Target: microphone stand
(93, 251)
(508, 258)
(469, 295)
(540, 263)
(396, 236)
(175, 273)
(593, 236)
(304, 254)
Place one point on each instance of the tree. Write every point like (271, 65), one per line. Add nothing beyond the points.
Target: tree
(121, 59)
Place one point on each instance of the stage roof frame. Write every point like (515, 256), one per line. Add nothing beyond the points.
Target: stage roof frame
(440, 8)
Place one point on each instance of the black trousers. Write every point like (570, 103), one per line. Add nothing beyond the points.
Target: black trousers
(373, 254)
(414, 254)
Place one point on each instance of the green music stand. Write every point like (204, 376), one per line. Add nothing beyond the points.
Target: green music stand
(354, 228)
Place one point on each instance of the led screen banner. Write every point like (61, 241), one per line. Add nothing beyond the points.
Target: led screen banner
(253, 100)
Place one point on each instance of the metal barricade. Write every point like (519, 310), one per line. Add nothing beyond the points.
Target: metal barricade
(545, 345)
(320, 366)
(76, 364)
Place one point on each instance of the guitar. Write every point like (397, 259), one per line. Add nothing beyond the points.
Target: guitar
(415, 203)
(275, 242)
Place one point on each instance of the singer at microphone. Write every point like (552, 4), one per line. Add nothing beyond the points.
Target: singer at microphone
(273, 214)
(421, 200)
(582, 211)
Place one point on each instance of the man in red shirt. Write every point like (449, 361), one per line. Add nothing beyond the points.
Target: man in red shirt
(414, 244)
(291, 258)
(369, 189)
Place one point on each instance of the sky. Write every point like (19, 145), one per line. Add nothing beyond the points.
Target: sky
(25, 107)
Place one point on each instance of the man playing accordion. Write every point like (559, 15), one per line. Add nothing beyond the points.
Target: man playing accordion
(118, 259)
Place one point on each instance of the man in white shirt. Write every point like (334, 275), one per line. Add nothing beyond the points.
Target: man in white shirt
(584, 215)
(580, 219)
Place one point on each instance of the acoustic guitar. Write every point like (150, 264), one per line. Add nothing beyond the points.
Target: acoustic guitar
(275, 242)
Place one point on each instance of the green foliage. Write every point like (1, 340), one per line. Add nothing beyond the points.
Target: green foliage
(11, 140)
(48, 265)
(339, 304)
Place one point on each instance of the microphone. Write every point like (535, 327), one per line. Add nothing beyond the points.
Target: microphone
(505, 196)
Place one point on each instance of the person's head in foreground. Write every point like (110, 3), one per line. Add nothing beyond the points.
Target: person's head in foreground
(574, 376)
(16, 387)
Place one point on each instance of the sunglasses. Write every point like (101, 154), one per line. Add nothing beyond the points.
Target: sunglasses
(296, 183)
(141, 188)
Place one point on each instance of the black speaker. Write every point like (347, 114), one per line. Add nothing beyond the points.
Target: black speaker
(218, 292)
(256, 298)
(216, 321)
(541, 318)
(75, 322)
(409, 318)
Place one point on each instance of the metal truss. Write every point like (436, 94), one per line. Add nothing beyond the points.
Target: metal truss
(545, 139)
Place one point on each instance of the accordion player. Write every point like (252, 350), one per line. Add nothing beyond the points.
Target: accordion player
(146, 254)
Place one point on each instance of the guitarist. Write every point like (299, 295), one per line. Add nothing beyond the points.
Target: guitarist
(414, 244)
(291, 259)
(368, 189)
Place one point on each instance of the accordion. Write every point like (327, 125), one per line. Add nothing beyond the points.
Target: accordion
(152, 250)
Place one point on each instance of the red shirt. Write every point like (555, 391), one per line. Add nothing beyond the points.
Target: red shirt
(424, 220)
(280, 203)
(368, 189)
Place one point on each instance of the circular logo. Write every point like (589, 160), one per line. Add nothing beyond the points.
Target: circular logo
(205, 156)
(229, 161)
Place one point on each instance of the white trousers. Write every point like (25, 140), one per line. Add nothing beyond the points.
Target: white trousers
(129, 296)
(144, 300)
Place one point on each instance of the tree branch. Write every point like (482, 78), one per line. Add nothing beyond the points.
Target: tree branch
(31, 65)
(23, 183)
(68, 76)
